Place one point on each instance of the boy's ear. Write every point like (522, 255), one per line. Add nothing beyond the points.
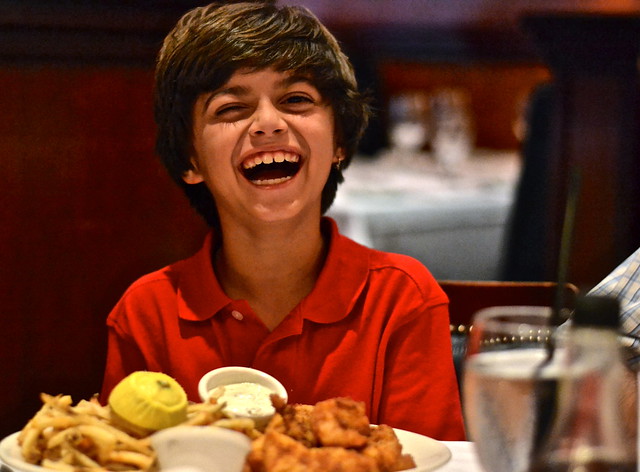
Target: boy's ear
(193, 175)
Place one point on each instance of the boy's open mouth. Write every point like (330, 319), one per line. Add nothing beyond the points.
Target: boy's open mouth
(271, 168)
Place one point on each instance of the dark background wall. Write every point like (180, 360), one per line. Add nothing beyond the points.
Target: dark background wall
(85, 208)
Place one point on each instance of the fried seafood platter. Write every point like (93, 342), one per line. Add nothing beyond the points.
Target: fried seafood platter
(333, 435)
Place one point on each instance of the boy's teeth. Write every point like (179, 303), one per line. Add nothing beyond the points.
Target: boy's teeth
(269, 158)
(271, 181)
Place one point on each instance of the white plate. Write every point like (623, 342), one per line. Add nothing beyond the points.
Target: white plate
(428, 453)
(11, 456)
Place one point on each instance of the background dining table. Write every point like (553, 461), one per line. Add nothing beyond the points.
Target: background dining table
(453, 221)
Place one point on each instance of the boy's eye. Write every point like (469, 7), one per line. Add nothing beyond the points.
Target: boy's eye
(227, 109)
(298, 99)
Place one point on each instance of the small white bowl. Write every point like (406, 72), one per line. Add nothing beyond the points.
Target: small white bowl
(200, 449)
(235, 375)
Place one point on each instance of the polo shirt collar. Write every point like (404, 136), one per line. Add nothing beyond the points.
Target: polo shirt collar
(340, 282)
(200, 295)
(341, 279)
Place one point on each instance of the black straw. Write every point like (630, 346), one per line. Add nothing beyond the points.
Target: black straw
(546, 389)
(566, 241)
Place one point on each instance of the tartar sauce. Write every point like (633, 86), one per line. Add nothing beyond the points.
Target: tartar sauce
(245, 399)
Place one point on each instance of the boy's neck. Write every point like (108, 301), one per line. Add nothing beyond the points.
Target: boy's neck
(273, 269)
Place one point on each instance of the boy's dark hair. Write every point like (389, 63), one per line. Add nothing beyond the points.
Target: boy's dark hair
(209, 44)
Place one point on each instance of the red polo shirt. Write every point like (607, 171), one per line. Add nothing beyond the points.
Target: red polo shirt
(375, 328)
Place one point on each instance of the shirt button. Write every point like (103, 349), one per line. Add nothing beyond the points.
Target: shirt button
(237, 315)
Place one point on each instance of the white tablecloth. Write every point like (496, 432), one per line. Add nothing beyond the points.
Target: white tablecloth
(463, 458)
(454, 224)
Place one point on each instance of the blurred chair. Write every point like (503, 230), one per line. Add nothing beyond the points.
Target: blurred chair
(468, 297)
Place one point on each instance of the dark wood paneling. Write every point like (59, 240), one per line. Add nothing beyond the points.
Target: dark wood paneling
(594, 62)
(86, 209)
(86, 32)
(455, 44)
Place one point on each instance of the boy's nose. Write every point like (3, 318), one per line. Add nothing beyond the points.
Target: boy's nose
(267, 120)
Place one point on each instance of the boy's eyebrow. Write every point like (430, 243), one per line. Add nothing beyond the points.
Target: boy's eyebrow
(294, 79)
(236, 90)
(241, 90)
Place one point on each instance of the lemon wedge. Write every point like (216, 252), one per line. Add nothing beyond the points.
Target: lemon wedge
(148, 401)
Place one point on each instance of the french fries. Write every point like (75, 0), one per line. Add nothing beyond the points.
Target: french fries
(61, 436)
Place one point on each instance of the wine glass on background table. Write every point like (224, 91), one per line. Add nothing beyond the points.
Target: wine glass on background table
(408, 123)
(452, 139)
(505, 365)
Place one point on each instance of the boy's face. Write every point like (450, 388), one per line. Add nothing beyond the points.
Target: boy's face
(264, 144)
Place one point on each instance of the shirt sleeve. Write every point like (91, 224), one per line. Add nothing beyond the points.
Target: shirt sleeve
(123, 354)
(420, 390)
(623, 283)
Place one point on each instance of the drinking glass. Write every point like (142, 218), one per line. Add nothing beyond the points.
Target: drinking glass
(452, 137)
(505, 371)
(408, 127)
